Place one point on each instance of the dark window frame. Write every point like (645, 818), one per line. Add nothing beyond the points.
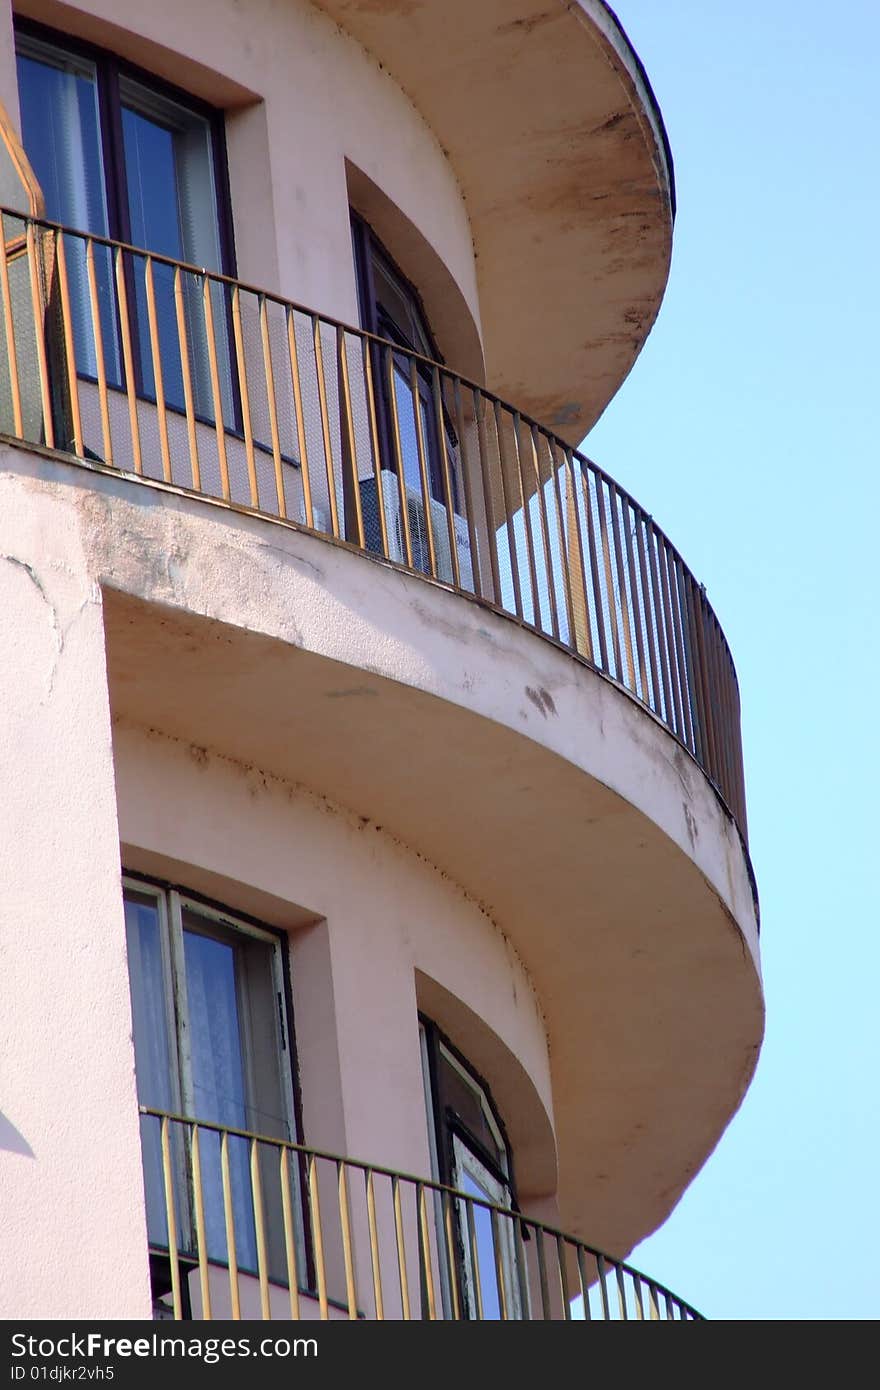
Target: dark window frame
(109, 70)
(447, 1122)
(367, 246)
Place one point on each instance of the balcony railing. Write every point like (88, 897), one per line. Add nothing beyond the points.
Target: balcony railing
(242, 1226)
(174, 373)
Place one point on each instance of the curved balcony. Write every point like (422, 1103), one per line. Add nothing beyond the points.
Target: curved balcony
(244, 1226)
(138, 363)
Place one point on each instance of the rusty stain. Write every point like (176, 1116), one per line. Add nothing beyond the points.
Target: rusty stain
(542, 700)
(693, 829)
(528, 23)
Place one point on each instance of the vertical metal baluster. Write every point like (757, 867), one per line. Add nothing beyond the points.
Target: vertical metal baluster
(651, 657)
(300, 419)
(586, 474)
(592, 589)
(171, 1218)
(622, 594)
(608, 573)
(696, 610)
(621, 1293)
(231, 1249)
(451, 1254)
(401, 1248)
(519, 476)
(445, 474)
(549, 569)
(500, 1282)
(187, 381)
(216, 394)
(69, 350)
(318, 1238)
(710, 759)
(560, 535)
(546, 1309)
(39, 308)
(9, 333)
(640, 1307)
(563, 1278)
(201, 1235)
(128, 360)
(679, 623)
(244, 395)
(427, 1274)
(423, 466)
(475, 1258)
(260, 1230)
(289, 1234)
(628, 521)
(675, 676)
(398, 455)
(521, 1268)
(345, 1223)
(659, 605)
(579, 588)
(465, 470)
(491, 528)
(98, 335)
(603, 1288)
(654, 1304)
(503, 467)
(349, 447)
(584, 1283)
(156, 354)
(724, 710)
(325, 425)
(670, 1310)
(375, 449)
(272, 404)
(374, 1247)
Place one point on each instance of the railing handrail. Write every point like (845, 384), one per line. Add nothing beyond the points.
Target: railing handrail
(693, 701)
(220, 278)
(306, 1152)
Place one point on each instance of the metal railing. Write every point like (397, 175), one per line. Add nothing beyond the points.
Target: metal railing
(175, 373)
(243, 1226)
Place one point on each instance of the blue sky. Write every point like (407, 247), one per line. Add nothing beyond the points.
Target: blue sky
(749, 428)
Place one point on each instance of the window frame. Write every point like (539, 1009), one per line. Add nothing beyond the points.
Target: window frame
(172, 901)
(111, 72)
(366, 246)
(109, 68)
(450, 1139)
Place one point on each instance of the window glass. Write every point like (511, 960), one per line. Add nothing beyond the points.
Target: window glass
(61, 130)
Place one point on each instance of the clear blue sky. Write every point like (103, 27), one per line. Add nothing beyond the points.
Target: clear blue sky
(749, 428)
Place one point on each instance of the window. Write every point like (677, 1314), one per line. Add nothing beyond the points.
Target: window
(391, 308)
(120, 155)
(470, 1153)
(212, 1042)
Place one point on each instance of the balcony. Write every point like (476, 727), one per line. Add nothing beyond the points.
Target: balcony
(243, 1226)
(136, 363)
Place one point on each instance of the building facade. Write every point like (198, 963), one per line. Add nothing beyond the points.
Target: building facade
(378, 930)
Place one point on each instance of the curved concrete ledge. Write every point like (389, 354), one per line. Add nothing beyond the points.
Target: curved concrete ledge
(555, 800)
